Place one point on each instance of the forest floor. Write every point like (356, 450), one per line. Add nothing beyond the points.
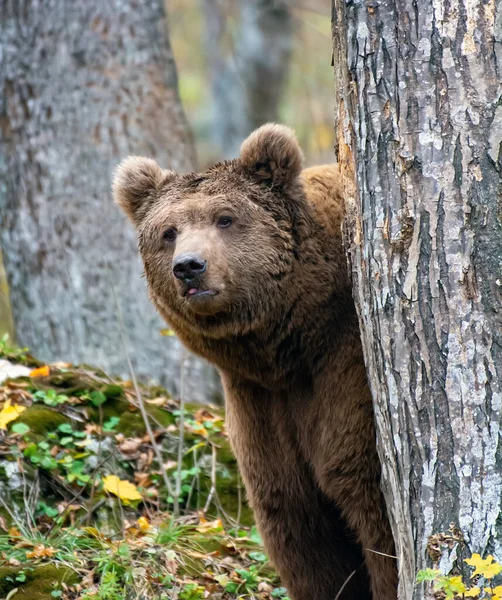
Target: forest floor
(110, 490)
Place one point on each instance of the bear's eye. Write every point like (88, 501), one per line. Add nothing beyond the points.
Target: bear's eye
(170, 234)
(224, 222)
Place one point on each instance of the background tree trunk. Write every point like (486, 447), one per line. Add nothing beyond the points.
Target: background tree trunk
(248, 65)
(419, 119)
(82, 85)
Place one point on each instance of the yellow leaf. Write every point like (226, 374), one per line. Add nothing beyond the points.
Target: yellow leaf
(486, 567)
(492, 570)
(125, 490)
(92, 531)
(456, 584)
(207, 526)
(143, 524)
(223, 580)
(41, 372)
(472, 592)
(82, 444)
(10, 413)
(167, 332)
(497, 593)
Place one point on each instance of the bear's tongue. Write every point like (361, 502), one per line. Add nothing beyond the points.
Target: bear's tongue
(192, 291)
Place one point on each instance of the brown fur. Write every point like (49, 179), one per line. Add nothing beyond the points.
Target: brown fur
(283, 332)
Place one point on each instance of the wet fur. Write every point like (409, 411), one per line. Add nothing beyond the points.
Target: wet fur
(285, 339)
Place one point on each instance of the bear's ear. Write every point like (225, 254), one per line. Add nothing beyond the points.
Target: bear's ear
(135, 185)
(272, 154)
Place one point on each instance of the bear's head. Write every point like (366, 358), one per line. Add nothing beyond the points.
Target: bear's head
(219, 247)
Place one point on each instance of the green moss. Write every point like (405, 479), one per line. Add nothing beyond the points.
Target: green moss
(131, 423)
(42, 419)
(39, 581)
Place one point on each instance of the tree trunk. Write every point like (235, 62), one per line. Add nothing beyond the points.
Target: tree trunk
(82, 85)
(419, 122)
(247, 78)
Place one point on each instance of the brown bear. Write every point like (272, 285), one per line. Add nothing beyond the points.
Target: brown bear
(245, 262)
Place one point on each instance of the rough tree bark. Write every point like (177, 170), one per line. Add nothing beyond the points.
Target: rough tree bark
(248, 75)
(419, 121)
(82, 85)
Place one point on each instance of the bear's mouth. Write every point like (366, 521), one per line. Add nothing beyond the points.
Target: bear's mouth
(193, 292)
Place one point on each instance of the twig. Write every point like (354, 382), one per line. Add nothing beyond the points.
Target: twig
(239, 500)
(75, 497)
(194, 480)
(181, 429)
(8, 510)
(30, 497)
(141, 405)
(213, 479)
(380, 553)
(92, 509)
(100, 443)
(344, 585)
(225, 517)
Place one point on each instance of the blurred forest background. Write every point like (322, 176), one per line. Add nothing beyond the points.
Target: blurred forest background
(83, 90)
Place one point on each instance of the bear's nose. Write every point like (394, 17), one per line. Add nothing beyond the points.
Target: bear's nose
(188, 266)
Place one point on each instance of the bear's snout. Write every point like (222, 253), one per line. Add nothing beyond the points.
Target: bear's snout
(188, 266)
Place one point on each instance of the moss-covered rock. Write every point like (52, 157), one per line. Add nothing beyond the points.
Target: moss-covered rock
(42, 419)
(36, 583)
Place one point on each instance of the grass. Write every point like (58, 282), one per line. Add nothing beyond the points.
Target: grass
(172, 523)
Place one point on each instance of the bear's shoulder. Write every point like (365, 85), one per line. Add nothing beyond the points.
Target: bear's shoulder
(325, 188)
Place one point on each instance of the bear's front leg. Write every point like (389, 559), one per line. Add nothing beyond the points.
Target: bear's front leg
(342, 451)
(303, 531)
(361, 503)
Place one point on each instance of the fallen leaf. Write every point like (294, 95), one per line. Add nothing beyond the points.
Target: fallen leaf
(207, 526)
(199, 429)
(160, 401)
(142, 479)
(125, 490)
(41, 372)
(10, 413)
(61, 365)
(143, 524)
(130, 446)
(223, 580)
(41, 551)
(204, 415)
(8, 370)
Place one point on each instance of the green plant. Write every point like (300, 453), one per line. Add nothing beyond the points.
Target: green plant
(9, 349)
(40, 455)
(453, 587)
(192, 591)
(280, 592)
(111, 424)
(44, 509)
(50, 397)
(20, 428)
